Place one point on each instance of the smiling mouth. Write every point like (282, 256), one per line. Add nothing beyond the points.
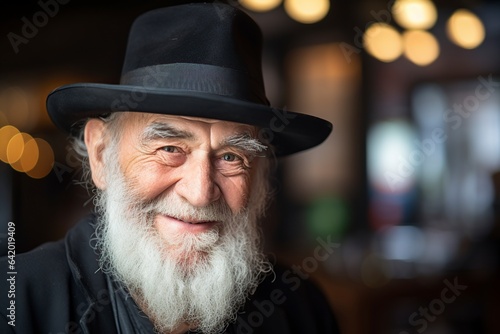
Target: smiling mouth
(194, 222)
(171, 224)
(199, 223)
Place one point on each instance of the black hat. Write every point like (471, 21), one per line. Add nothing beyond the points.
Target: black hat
(201, 60)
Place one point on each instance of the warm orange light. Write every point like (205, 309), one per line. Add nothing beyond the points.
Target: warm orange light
(415, 14)
(421, 47)
(465, 29)
(45, 160)
(307, 11)
(260, 5)
(6, 134)
(383, 42)
(30, 156)
(15, 148)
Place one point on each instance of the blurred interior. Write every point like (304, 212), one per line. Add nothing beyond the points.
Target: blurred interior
(407, 187)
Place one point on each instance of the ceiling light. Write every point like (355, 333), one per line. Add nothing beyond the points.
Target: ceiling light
(415, 14)
(307, 11)
(383, 42)
(465, 29)
(421, 47)
(260, 5)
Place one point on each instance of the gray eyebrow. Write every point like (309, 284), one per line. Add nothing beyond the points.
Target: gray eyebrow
(242, 141)
(158, 130)
(245, 142)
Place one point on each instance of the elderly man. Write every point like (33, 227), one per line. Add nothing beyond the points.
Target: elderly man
(180, 154)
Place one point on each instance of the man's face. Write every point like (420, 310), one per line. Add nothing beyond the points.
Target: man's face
(199, 160)
(179, 202)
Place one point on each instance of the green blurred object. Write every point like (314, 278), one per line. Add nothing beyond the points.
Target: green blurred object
(327, 216)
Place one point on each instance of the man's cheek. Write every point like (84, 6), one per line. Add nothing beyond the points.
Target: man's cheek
(236, 193)
(148, 182)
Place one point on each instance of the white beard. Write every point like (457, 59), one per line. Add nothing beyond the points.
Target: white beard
(199, 279)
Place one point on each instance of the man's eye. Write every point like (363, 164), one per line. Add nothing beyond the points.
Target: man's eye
(171, 149)
(230, 157)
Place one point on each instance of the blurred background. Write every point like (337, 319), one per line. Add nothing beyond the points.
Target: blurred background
(396, 216)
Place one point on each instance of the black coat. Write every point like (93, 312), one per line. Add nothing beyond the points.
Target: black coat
(58, 288)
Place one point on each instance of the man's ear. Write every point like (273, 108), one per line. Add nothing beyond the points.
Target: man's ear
(95, 140)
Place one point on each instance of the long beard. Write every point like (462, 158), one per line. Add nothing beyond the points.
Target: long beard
(200, 279)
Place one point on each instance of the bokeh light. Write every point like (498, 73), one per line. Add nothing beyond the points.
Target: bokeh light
(465, 29)
(421, 47)
(33, 156)
(6, 134)
(15, 147)
(406, 243)
(45, 160)
(307, 11)
(328, 216)
(383, 42)
(260, 5)
(391, 156)
(30, 156)
(415, 14)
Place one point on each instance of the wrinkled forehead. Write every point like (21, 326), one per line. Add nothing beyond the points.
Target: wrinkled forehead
(143, 122)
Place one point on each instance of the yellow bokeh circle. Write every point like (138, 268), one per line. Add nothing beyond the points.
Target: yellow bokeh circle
(45, 160)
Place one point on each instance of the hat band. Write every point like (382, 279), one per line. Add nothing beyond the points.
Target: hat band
(197, 78)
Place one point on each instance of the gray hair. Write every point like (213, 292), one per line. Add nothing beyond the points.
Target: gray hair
(77, 144)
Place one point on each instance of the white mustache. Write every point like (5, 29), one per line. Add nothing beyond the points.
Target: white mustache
(173, 206)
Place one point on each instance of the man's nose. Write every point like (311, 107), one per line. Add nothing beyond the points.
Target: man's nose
(197, 184)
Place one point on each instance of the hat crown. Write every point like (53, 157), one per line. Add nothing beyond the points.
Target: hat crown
(211, 34)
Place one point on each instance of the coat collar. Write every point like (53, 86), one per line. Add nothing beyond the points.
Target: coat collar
(83, 260)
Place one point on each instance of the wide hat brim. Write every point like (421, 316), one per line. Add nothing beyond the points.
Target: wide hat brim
(288, 132)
